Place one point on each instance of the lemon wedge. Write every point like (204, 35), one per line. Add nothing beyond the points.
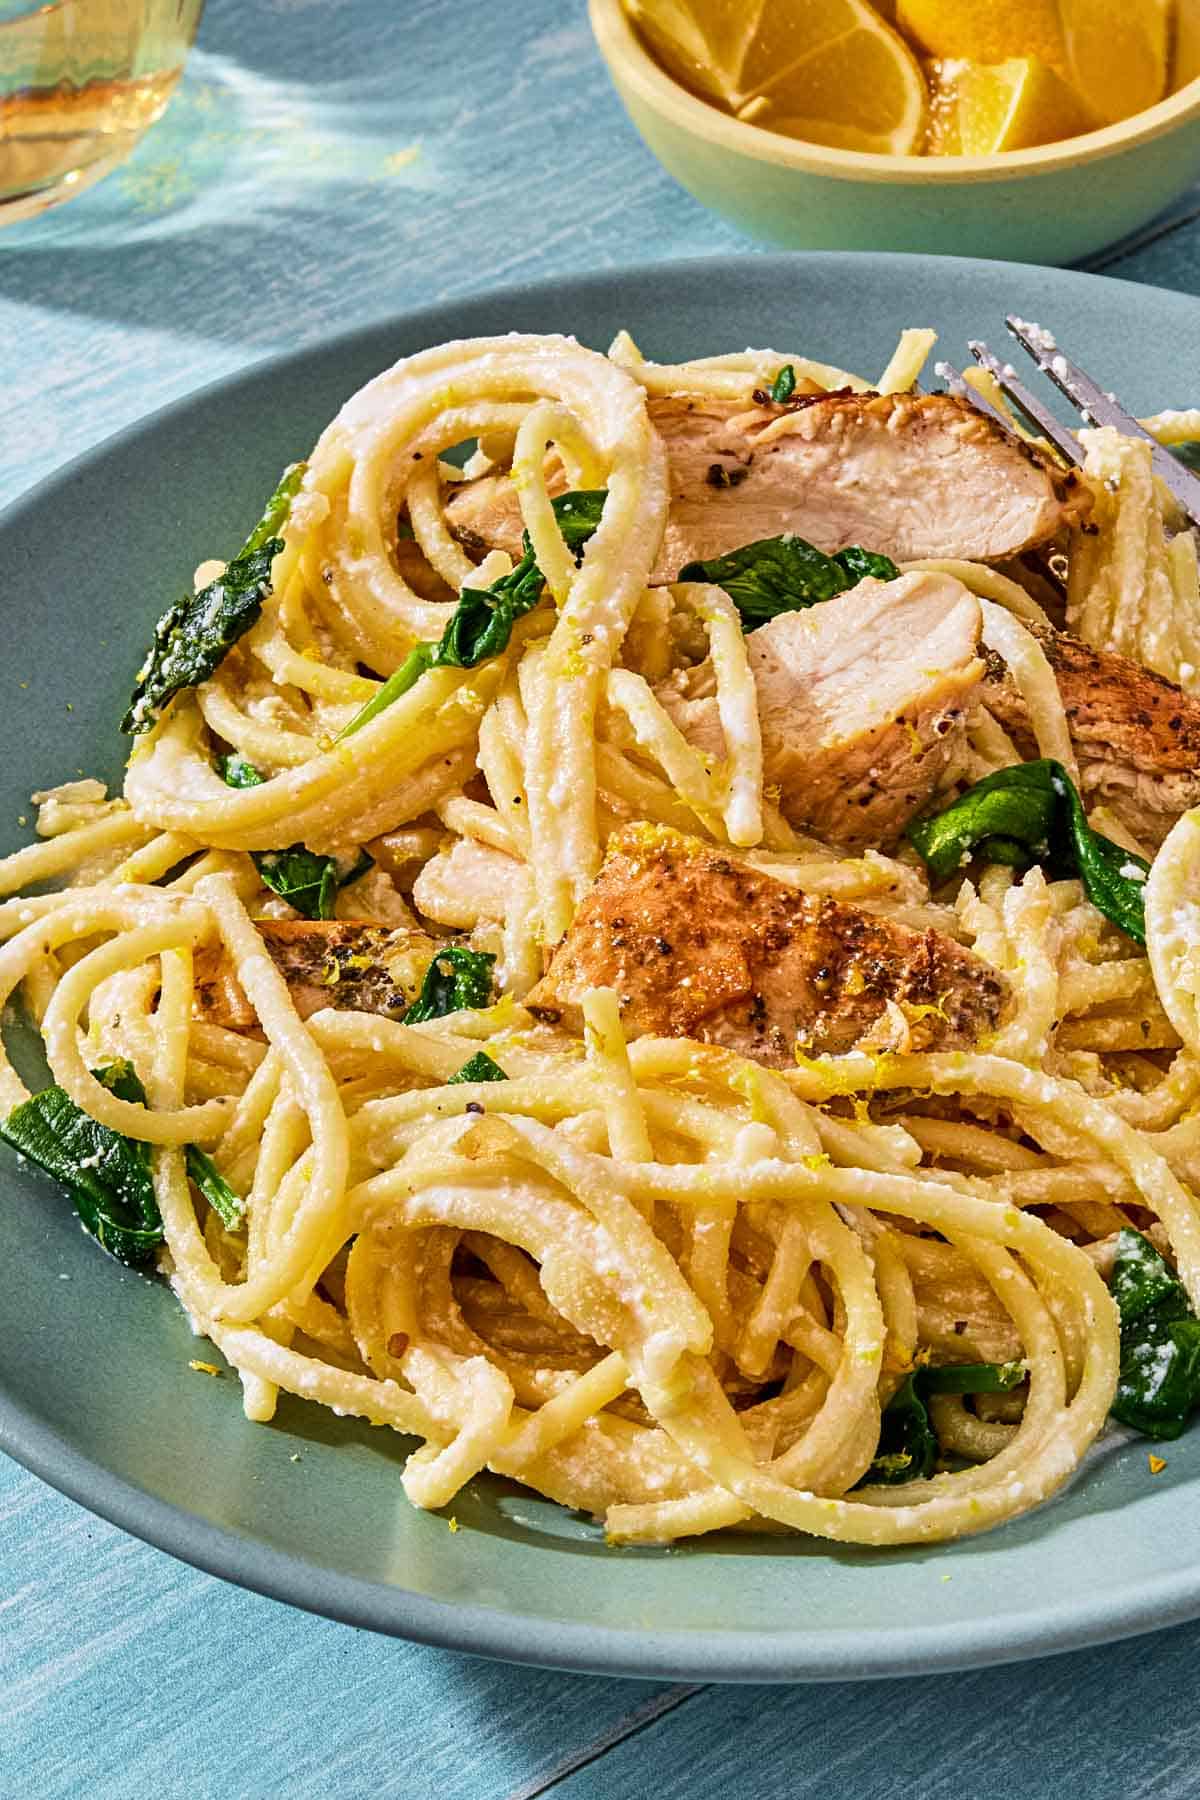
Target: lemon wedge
(860, 90)
(980, 108)
(827, 71)
(987, 31)
(1116, 54)
(702, 43)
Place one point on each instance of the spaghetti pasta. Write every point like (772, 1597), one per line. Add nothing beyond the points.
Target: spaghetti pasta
(648, 1275)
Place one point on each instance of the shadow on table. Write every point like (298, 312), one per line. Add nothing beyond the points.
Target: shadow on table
(305, 157)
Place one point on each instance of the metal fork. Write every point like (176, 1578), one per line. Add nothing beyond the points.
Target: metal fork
(1091, 402)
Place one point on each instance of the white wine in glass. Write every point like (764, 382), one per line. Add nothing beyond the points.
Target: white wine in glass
(80, 81)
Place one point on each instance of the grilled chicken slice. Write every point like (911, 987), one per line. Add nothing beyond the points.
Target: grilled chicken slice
(468, 882)
(698, 944)
(910, 475)
(1136, 735)
(335, 962)
(861, 700)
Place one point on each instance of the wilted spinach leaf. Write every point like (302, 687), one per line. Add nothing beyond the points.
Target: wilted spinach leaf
(236, 772)
(907, 1443)
(784, 385)
(907, 1447)
(1028, 814)
(420, 658)
(193, 636)
(105, 1175)
(214, 1187)
(785, 574)
(305, 880)
(859, 563)
(482, 622)
(276, 511)
(578, 515)
(457, 977)
(479, 1067)
(1159, 1383)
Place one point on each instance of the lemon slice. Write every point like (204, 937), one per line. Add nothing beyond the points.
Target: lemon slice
(828, 71)
(864, 91)
(1116, 54)
(988, 31)
(702, 43)
(980, 108)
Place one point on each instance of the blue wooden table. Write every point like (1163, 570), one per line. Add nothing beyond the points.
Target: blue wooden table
(323, 165)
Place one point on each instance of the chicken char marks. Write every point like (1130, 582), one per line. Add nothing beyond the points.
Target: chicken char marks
(909, 475)
(1136, 735)
(698, 944)
(341, 963)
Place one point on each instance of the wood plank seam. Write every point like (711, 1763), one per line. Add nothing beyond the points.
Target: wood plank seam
(639, 1720)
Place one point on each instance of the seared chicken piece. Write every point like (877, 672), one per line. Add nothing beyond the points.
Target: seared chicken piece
(354, 967)
(698, 944)
(909, 475)
(467, 882)
(1136, 735)
(861, 701)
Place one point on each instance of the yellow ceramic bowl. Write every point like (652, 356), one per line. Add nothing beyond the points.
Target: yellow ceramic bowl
(1050, 205)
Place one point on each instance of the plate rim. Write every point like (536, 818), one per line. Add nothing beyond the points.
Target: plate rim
(736, 1657)
(582, 282)
(1132, 1608)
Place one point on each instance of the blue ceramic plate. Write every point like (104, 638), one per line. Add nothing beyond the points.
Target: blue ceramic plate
(95, 1391)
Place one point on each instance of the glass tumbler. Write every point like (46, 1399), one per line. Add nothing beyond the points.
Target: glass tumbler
(80, 81)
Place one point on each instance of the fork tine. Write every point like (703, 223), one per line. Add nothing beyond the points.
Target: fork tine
(1099, 408)
(961, 389)
(1064, 441)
